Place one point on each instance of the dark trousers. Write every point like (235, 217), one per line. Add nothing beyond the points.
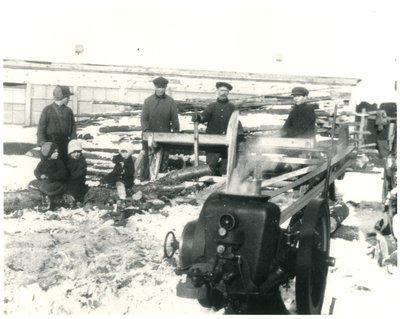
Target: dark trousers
(212, 158)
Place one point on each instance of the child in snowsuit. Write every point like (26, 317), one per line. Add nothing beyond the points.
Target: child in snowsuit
(77, 168)
(51, 173)
(123, 171)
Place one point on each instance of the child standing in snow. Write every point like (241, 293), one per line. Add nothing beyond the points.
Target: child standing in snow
(51, 173)
(77, 168)
(123, 171)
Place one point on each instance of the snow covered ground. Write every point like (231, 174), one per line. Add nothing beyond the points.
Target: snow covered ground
(75, 262)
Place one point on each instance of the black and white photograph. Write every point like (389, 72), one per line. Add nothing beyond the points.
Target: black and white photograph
(199, 158)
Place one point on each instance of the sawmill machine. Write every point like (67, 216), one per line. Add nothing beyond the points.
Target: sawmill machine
(246, 247)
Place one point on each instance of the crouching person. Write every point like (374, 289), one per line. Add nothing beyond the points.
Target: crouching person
(51, 174)
(77, 167)
(123, 171)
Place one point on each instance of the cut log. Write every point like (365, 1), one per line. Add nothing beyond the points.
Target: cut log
(120, 128)
(17, 148)
(170, 185)
(186, 174)
(107, 115)
(20, 200)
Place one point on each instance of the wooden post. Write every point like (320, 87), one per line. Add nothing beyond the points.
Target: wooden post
(28, 104)
(391, 135)
(196, 143)
(75, 100)
(363, 126)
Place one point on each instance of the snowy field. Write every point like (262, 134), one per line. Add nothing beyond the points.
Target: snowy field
(74, 262)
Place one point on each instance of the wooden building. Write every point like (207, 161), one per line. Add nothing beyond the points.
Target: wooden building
(28, 86)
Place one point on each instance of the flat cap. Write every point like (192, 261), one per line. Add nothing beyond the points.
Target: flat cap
(160, 82)
(61, 92)
(224, 84)
(300, 91)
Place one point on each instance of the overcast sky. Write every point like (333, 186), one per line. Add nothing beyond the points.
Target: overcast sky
(326, 38)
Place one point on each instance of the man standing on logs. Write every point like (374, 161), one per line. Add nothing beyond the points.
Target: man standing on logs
(57, 123)
(301, 120)
(217, 116)
(159, 114)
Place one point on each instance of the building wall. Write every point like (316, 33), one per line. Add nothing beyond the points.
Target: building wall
(23, 103)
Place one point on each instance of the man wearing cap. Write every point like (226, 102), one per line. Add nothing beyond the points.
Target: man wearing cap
(57, 123)
(217, 115)
(159, 114)
(301, 120)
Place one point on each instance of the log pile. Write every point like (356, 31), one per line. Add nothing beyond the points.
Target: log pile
(143, 197)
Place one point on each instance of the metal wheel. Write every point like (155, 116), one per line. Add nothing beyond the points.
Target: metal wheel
(313, 258)
(171, 245)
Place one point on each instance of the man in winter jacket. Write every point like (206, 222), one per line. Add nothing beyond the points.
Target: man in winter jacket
(123, 171)
(51, 173)
(301, 120)
(159, 114)
(57, 123)
(77, 167)
(217, 116)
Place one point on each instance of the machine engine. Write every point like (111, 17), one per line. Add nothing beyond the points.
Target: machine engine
(236, 256)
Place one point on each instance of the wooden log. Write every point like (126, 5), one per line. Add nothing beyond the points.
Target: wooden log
(184, 139)
(132, 105)
(20, 199)
(98, 156)
(286, 176)
(170, 186)
(262, 128)
(17, 148)
(120, 128)
(107, 114)
(186, 174)
(320, 169)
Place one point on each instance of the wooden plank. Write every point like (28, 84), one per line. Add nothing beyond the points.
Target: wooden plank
(185, 139)
(288, 212)
(196, 143)
(281, 158)
(155, 164)
(268, 143)
(28, 106)
(231, 135)
(312, 174)
(285, 176)
(212, 179)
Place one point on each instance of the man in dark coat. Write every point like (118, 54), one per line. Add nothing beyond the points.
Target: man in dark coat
(301, 120)
(57, 123)
(217, 116)
(159, 114)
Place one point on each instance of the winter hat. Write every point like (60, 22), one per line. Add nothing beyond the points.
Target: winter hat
(47, 149)
(299, 91)
(61, 91)
(160, 82)
(74, 145)
(223, 84)
(126, 147)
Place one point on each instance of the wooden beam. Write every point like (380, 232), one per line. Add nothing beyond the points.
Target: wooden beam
(280, 158)
(288, 212)
(312, 174)
(28, 104)
(268, 143)
(283, 177)
(185, 139)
